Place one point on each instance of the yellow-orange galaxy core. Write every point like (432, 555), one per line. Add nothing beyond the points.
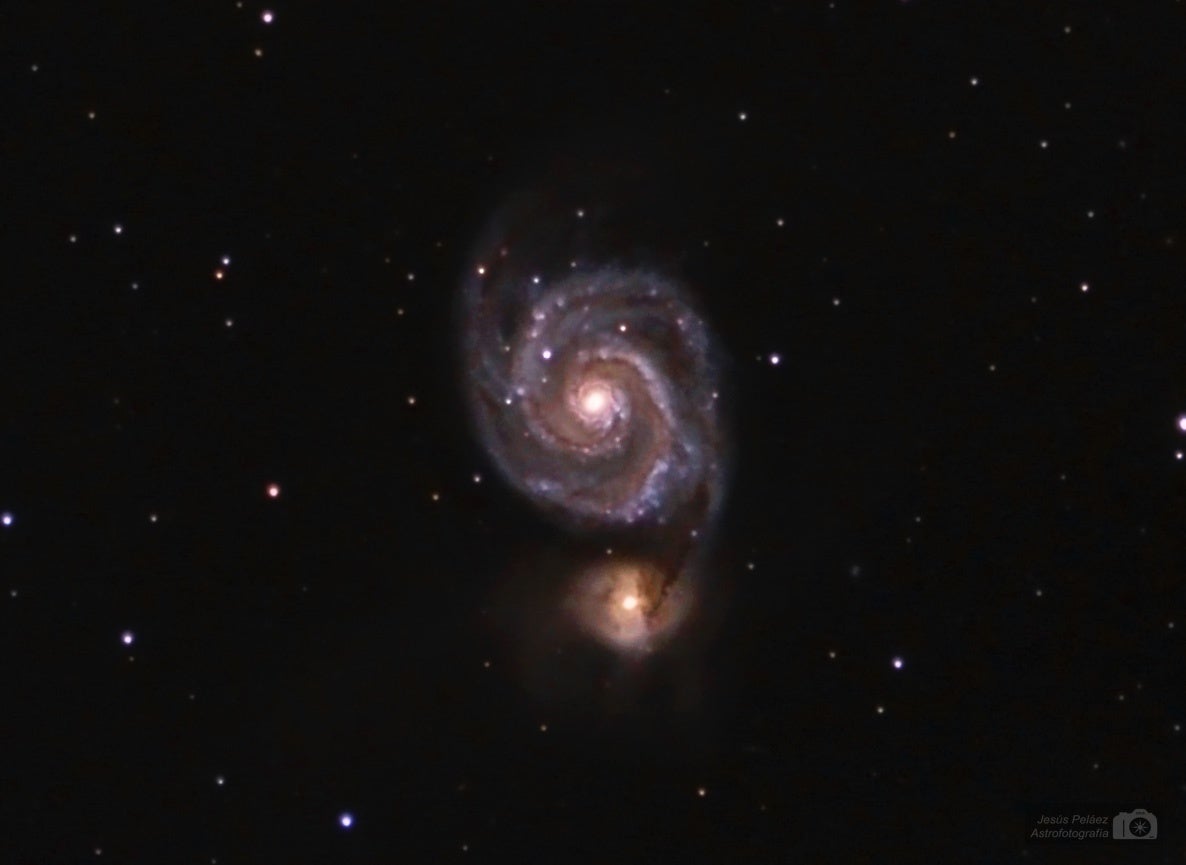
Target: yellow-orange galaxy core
(628, 604)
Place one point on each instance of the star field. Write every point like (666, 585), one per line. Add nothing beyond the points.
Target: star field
(593, 433)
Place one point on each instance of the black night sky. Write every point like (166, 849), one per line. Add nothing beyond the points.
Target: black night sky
(269, 595)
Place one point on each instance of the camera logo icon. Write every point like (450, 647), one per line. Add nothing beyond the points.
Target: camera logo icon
(1135, 825)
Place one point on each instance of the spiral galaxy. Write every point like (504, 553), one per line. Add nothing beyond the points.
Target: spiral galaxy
(597, 398)
(594, 390)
